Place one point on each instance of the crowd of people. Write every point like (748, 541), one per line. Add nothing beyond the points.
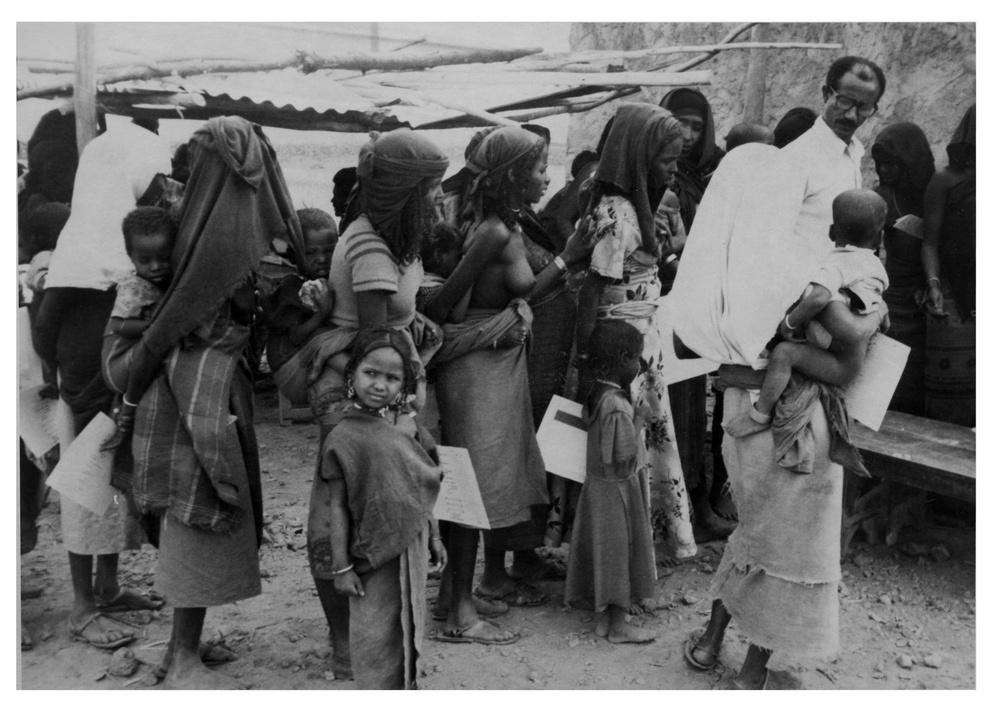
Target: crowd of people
(446, 311)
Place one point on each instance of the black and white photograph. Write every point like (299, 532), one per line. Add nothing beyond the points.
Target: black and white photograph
(496, 355)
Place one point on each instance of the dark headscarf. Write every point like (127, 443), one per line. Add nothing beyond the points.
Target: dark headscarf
(907, 144)
(390, 168)
(638, 134)
(235, 202)
(705, 155)
(962, 147)
(793, 125)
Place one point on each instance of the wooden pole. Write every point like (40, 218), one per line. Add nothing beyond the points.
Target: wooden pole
(85, 86)
(753, 111)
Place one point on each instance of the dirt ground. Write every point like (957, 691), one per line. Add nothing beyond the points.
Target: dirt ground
(896, 609)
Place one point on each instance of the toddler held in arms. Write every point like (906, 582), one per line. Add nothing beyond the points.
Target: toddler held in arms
(852, 276)
(149, 240)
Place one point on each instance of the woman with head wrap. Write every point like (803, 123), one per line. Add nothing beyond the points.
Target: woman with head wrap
(700, 155)
(482, 381)
(640, 153)
(699, 158)
(374, 275)
(949, 255)
(794, 124)
(195, 467)
(905, 165)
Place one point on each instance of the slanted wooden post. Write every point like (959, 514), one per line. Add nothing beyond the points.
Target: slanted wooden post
(753, 111)
(85, 86)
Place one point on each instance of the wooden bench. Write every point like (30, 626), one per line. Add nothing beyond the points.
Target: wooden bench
(289, 413)
(919, 453)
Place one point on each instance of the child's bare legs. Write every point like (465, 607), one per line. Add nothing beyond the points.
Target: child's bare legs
(337, 609)
(85, 583)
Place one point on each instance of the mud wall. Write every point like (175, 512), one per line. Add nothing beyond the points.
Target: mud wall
(930, 73)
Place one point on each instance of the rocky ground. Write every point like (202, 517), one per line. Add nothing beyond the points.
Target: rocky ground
(908, 620)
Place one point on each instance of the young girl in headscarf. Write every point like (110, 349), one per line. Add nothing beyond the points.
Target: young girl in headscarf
(905, 165)
(375, 273)
(642, 146)
(370, 514)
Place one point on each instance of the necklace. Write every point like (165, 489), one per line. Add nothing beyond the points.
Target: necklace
(381, 412)
(608, 382)
(894, 203)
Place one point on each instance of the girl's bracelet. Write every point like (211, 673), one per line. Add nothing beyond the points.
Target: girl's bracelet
(560, 262)
(788, 325)
(437, 539)
(934, 278)
(345, 570)
(125, 402)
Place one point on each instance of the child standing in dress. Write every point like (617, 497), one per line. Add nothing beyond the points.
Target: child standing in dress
(611, 561)
(370, 515)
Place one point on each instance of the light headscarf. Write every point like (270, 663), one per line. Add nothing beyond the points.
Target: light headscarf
(390, 168)
(499, 151)
(637, 136)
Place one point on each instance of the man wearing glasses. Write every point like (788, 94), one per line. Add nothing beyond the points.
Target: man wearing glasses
(761, 234)
(829, 153)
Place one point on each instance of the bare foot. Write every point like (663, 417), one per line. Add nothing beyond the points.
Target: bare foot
(196, 676)
(725, 507)
(709, 527)
(603, 625)
(628, 634)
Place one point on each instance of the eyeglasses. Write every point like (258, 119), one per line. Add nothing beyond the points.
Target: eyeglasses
(846, 103)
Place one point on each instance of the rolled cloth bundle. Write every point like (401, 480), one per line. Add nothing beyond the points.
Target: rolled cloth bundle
(638, 134)
(390, 166)
(235, 202)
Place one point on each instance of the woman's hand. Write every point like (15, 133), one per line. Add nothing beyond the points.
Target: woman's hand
(514, 337)
(934, 301)
(324, 297)
(580, 244)
(349, 583)
(439, 556)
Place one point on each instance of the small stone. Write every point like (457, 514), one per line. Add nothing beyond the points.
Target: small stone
(533, 676)
(123, 663)
(886, 600)
(640, 681)
(689, 599)
(904, 661)
(573, 642)
(934, 661)
(940, 553)
(149, 680)
(294, 638)
(861, 559)
(329, 676)
(46, 634)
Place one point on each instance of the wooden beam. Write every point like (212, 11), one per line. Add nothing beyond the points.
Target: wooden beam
(753, 109)
(307, 62)
(695, 61)
(487, 78)
(85, 86)
(555, 60)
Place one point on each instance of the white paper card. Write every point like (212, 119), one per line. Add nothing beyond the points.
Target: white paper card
(83, 474)
(459, 500)
(29, 365)
(562, 437)
(36, 421)
(910, 224)
(675, 369)
(868, 395)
